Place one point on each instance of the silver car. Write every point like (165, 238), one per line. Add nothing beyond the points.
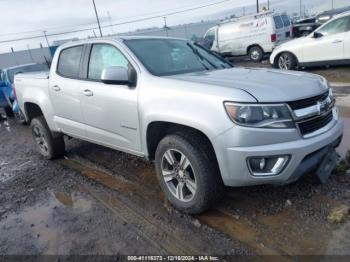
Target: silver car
(205, 123)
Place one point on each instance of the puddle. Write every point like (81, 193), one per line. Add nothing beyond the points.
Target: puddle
(73, 201)
(45, 223)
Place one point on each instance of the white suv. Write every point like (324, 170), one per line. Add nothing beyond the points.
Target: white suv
(328, 45)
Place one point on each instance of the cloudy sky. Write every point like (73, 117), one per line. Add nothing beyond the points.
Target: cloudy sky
(28, 18)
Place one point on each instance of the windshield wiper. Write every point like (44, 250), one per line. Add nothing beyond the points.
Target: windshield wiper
(196, 52)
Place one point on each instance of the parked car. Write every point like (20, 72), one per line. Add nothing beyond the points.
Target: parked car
(304, 27)
(253, 35)
(328, 15)
(7, 95)
(204, 123)
(327, 45)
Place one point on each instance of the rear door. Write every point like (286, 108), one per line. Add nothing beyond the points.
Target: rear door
(110, 111)
(330, 46)
(279, 27)
(287, 25)
(65, 93)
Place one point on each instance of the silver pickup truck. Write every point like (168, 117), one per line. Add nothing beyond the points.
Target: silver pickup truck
(205, 123)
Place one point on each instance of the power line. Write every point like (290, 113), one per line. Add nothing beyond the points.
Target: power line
(116, 24)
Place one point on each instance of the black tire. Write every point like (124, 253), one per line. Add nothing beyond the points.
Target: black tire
(9, 112)
(50, 145)
(209, 186)
(289, 61)
(256, 54)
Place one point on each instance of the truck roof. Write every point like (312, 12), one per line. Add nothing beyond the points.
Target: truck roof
(116, 38)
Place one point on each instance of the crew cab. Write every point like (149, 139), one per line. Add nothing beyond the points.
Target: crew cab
(205, 123)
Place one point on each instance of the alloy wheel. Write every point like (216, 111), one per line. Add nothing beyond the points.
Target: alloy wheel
(284, 62)
(178, 175)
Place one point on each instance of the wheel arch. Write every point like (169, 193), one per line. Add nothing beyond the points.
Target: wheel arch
(32, 110)
(157, 130)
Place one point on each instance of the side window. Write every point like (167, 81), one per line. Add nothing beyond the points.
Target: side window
(337, 26)
(69, 62)
(278, 22)
(103, 56)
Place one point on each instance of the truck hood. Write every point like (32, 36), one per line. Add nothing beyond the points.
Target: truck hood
(266, 85)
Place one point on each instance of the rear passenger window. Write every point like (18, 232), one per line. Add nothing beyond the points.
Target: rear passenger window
(69, 62)
(278, 22)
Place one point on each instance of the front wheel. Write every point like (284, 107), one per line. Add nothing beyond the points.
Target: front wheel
(49, 145)
(287, 61)
(189, 179)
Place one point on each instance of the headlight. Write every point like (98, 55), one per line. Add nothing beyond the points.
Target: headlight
(260, 116)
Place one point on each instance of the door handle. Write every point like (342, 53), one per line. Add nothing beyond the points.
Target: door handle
(337, 41)
(88, 92)
(56, 88)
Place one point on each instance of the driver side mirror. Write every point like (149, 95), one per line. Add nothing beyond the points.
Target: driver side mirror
(2, 83)
(115, 75)
(317, 35)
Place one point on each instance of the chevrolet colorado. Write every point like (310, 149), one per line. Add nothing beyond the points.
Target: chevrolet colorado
(205, 123)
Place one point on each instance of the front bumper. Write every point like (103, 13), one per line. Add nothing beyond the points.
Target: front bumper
(305, 154)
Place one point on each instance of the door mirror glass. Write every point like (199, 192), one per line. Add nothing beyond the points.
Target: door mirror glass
(2, 83)
(317, 35)
(115, 75)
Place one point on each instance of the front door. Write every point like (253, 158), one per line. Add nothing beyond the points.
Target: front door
(110, 111)
(329, 45)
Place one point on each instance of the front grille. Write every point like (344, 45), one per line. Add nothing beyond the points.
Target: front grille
(295, 105)
(309, 126)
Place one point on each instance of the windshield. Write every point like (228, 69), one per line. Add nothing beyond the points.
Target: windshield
(25, 69)
(163, 57)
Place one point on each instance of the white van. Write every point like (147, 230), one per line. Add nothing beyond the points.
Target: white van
(252, 35)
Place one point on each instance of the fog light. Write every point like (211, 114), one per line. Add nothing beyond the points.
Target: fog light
(267, 166)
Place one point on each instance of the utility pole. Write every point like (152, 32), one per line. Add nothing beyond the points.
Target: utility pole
(243, 10)
(47, 40)
(257, 6)
(332, 4)
(98, 20)
(165, 26)
(30, 53)
(268, 5)
(301, 8)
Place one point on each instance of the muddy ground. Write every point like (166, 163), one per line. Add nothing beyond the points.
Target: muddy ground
(100, 201)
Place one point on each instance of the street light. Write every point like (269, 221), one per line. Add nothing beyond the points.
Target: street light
(98, 20)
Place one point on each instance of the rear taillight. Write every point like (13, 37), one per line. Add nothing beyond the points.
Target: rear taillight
(295, 29)
(273, 38)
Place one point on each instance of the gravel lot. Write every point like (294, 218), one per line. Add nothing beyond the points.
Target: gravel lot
(100, 201)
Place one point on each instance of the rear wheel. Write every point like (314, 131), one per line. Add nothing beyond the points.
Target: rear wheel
(256, 54)
(189, 179)
(287, 61)
(50, 146)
